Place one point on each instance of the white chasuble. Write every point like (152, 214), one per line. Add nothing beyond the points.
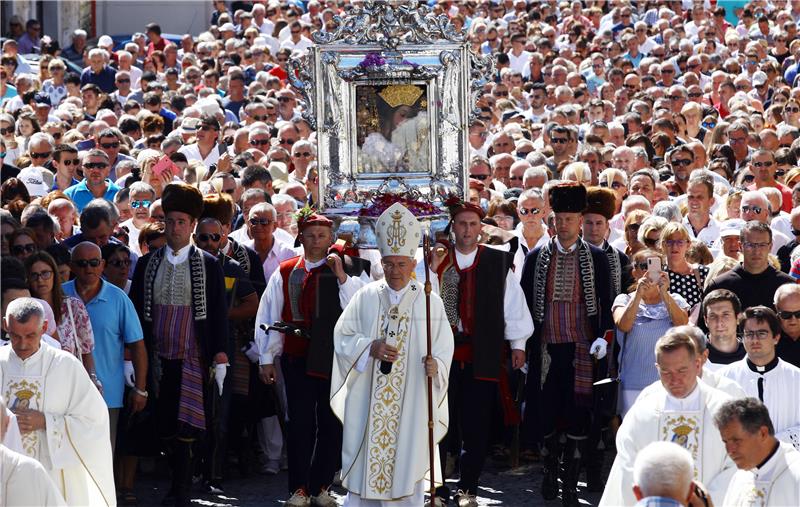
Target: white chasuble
(775, 484)
(75, 446)
(24, 482)
(385, 417)
(689, 422)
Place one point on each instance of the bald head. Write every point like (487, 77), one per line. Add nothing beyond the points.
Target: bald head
(85, 248)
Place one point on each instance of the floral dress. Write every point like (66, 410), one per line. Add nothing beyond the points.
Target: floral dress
(75, 329)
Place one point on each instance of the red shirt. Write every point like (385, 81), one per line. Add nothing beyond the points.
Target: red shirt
(160, 45)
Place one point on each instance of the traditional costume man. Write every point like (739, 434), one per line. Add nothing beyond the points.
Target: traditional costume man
(568, 287)
(486, 310)
(384, 408)
(62, 416)
(179, 293)
(308, 293)
(681, 411)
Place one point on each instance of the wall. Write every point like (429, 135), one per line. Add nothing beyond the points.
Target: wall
(178, 17)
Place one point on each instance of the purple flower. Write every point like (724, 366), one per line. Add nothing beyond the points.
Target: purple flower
(372, 60)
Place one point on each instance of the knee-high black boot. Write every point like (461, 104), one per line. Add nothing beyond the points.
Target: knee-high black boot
(550, 459)
(182, 472)
(573, 454)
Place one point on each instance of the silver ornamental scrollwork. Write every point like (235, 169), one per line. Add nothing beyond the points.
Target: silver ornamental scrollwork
(300, 78)
(390, 24)
(482, 70)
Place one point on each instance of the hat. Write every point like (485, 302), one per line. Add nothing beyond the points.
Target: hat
(306, 217)
(182, 197)
(600, 201)
(279, 173)
(208, 105)
(456, 206)
(189, 125)
(33, 180)
(731, 227)
(568, 198)
(759, 78)
(398, 232)
(105, 41)
(218, 206)
(42, 99)
(79, 33)
(227, 27)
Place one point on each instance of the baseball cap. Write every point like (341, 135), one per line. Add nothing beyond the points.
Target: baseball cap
(759, 78)
(280, 174)
(227, 27)
(731, 227)
(105, 41)
(33, 180)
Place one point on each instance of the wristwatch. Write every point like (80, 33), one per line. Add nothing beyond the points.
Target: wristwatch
(141, 393)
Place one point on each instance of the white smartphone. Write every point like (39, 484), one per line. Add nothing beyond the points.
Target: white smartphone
(654, 268)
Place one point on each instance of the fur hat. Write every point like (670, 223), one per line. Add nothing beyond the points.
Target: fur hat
(219, 206)
(568, 198)
(601, 201)
(182, 197)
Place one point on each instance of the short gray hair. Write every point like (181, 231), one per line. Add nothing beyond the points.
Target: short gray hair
(664, 469)
(23, 309)
(262, 207)
(668, 210)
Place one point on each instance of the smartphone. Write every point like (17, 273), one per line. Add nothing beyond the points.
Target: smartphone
(165, 164)
(654, 269)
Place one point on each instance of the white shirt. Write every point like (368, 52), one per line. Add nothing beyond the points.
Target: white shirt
(302, 45)
(277, 254)
(708, 234)
(519, 63)
(192, 152)
(178, 257)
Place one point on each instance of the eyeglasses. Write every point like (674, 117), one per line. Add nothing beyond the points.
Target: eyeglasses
(120, 263)
(695, 95)
(675, 242)
(755, 209)
(481, 177)
(786, 315)
(681, 161)
(109, 146)
(95, 165)
(259, 221)
(675, 97)
(303, 154)
(791, 110)
(84, 263)
(259, 142)
(761, 334)
(528, 211)
(755, 246)
(20, 249)
(616, 185)
(209, 237)
(286, 141)
(45, 154)
(762, 164)
(145, 203)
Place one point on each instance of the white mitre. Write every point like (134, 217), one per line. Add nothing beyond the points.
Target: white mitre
(398, 232)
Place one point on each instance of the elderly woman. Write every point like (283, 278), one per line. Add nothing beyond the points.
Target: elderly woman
(642, 316)
(684, 278)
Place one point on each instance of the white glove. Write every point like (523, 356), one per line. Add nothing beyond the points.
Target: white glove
(599, 348)
(251, 351)
(129, 373)
(220, 370)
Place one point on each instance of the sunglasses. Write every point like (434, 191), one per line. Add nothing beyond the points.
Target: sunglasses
(559, 140)
(633, 227)
(708, 125)
(749, 178)
(286, 141)
(95, 165)
(259, 117)
(259, 142)
(71, 161)
(284, 100)
(642, 266)
(681, 161)
(205, 238)
(303, 154)
(120, 263)
(755, 209)
(109, 146)
(42, 275)
(614, 184)
(786, 315)
(481, 177)
(260, 221)
(207, 128)
(123, 80)
(529, 211)
(145, 203)
(20, 249)
(83, 263)
(695, 95)
(6, 131)
(45, 154)
(791, 110)
(762, 164)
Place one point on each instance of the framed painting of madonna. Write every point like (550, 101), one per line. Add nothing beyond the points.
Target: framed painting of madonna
(391, 92)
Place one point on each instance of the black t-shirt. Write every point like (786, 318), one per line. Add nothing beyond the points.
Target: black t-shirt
(789, 350)
(716, 356)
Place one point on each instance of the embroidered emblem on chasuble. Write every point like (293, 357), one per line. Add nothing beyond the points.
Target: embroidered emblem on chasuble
(684, 429)
(26, 393)
(386, 402)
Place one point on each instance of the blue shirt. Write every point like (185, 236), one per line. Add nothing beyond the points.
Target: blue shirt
(81, 195)
(105, 79)
(658, 501)
(114, 323)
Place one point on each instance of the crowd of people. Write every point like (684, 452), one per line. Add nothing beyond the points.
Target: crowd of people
(621, 273)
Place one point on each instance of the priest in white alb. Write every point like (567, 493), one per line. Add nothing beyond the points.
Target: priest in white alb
(682, 411)
(61, 415)
(769, 470)
(380, 373)
(763, 375)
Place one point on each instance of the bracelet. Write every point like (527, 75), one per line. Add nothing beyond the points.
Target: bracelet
(141, 393)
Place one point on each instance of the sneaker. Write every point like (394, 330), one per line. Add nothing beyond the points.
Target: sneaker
(299, 499)
(324, 500)
(271, 467)
(464, 499)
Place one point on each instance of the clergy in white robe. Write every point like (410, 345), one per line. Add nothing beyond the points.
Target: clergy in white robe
(61, 415)
(769, 470)
(681, 411)
(766, 377)
(385, 452)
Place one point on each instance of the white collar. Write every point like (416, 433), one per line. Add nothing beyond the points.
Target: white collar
(178, 257)
(689, 402)
(396, 295)
(466, 260)
(311, 265)
(565, 250)
(30, 360)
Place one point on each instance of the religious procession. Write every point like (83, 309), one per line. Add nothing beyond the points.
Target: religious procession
(400, 253)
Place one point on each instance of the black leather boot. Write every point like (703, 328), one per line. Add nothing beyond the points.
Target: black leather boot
(182, 472)
(550, 455)
(573, 454)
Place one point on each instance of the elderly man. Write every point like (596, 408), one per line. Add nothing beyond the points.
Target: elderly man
(681, 410)
(74, 52)
(763, 166)
(769, 470)
(98, 72)
(662, 476)
(763, 375)
(60, 413)
(379, 351)
(307, 294)
(40, 148)
(262, 228)
(96, 183)
(787, 306)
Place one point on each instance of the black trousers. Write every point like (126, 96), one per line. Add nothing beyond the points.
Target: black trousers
(314, 434)
(558, 410)
(472, 403)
